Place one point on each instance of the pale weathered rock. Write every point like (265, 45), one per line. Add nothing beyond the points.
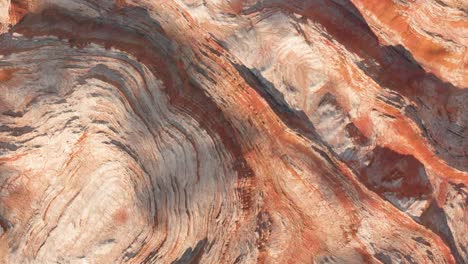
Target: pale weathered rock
(230, 131)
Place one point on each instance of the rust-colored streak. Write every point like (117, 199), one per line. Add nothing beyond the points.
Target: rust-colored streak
(6, 74)
(18, 9)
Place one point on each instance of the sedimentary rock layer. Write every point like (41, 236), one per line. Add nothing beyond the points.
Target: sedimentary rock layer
(233, 131)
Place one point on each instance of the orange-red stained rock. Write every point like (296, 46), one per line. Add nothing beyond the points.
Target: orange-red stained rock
(219, 131)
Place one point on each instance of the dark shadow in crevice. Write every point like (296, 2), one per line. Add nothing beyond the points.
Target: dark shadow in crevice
(435, 219)
(192, 256)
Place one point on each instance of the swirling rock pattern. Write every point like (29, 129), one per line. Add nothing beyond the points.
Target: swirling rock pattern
(233, 131)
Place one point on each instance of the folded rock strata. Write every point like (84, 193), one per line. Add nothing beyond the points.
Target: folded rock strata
(233, 131)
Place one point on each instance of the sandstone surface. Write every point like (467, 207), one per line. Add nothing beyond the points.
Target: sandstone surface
(233, 131)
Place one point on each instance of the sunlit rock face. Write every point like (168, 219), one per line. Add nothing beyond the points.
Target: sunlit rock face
(230, 131)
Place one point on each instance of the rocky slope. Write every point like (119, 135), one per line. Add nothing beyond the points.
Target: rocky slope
(233, 131)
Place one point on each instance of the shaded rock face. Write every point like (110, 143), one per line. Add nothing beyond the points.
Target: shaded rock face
(233, 131)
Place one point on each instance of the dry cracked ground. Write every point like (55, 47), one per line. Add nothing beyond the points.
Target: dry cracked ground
(233, 131)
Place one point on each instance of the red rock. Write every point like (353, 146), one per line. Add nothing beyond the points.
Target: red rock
(217, 131)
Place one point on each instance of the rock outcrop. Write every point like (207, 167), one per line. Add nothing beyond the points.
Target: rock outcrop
(233, 131)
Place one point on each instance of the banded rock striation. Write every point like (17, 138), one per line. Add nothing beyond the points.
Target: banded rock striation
(233, 131)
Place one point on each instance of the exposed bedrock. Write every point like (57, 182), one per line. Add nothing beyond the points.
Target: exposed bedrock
(219, 131)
